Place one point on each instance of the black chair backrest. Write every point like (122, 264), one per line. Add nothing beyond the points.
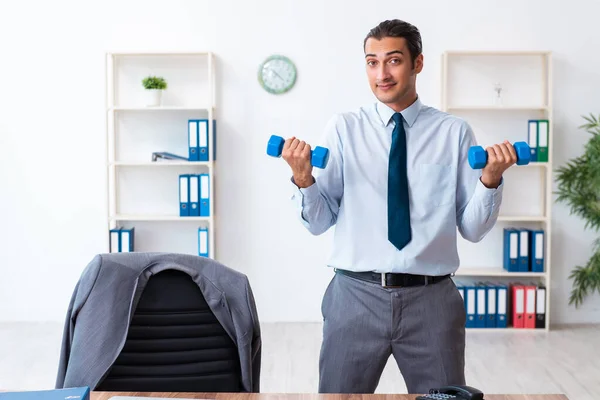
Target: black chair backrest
(174, 343)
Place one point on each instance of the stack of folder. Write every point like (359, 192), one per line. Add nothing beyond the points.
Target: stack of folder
(538, 135)
(523, 250)
(198, 141)
(497, 305)
(121, 240)
(194, 195)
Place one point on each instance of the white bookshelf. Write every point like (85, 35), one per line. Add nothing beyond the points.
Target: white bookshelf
(468, 90)
(142, 193)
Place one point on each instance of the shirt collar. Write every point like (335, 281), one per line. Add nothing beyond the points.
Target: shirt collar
(409, 114)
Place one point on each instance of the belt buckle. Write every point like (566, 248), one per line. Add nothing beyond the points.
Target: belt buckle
(384, 281)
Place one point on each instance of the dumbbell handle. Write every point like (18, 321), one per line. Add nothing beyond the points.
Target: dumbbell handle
(318, 157)
(478, 156)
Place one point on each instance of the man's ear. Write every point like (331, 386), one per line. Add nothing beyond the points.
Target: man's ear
(418, 67)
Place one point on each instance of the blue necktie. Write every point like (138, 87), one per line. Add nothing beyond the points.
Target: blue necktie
(398, 208)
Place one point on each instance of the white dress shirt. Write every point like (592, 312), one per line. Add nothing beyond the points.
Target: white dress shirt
(444, 191)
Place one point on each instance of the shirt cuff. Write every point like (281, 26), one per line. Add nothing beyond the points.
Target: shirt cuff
(490, 194)
(305, 195)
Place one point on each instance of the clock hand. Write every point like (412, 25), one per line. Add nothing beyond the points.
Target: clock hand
(278, 75)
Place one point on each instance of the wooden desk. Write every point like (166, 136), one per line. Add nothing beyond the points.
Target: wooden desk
(310, 396)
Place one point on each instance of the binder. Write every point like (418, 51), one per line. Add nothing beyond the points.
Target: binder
(184, 195)
(532, 134)
(492, 307)
(529, 315)
(543, 138)
(511, 247)
(203, 242)
(518, 305)
(480, 313)
(536, 251)
(194, 194)
(114, 239)
(523, 258)
(461, 290)
(127, 241)
(540, 307)
(204, 195)
(193, 140)
(202, 140)
(501, 314)
(214, 139)
(470, 301)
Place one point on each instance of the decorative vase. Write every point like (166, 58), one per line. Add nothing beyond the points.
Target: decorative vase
(153, 97)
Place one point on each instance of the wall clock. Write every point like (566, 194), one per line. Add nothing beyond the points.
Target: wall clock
(277, 74)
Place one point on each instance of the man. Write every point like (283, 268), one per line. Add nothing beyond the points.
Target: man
(397, 185)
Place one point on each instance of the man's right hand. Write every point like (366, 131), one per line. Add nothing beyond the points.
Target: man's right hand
(297, 154)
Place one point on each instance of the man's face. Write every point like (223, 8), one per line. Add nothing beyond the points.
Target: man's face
(390, 70)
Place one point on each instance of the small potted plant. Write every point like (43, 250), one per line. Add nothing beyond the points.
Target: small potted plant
(154, 86)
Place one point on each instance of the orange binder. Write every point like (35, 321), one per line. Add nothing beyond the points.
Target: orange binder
(518, 305)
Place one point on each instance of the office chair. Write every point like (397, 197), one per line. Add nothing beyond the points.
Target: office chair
(174, 343)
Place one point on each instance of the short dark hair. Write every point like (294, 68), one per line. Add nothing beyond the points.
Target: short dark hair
(398, 28)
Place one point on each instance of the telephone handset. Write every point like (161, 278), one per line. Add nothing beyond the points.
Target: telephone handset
(461, 392)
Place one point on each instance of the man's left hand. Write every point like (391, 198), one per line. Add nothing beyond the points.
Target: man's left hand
(500, 158)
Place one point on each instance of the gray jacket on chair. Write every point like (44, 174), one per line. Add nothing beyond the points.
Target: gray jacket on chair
(107, 293)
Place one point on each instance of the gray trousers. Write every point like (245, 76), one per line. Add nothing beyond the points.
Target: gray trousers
(364, 323)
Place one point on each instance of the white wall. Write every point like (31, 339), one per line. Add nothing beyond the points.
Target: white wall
(53, 144)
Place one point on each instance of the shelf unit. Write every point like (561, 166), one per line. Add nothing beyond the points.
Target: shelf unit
(139, 190)
(469, 82)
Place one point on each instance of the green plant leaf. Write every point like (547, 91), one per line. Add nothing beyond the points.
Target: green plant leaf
(154, 82)
(579, 188)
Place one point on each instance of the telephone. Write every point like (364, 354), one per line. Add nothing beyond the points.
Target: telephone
(453, 392)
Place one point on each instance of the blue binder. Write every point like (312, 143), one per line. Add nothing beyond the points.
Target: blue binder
(126, 240)
(502, 305)
(536, 251)
(203, 242)
(471, 302)
(76, 393)
(204, 195)
(523, 258)
(532, 133)
(194, 181)
(114, 240)
(202, 140)
(511, 250)
(193, 140)
(491, 306)
(481, 306)
(184, 195)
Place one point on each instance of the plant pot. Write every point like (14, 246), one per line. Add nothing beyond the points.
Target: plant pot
(153, 97)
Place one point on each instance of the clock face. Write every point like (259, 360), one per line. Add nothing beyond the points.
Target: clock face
(277, 74)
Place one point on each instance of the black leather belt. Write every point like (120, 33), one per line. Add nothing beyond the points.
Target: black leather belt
(392, 280)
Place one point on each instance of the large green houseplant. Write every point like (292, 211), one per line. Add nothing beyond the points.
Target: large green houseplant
(579, 187)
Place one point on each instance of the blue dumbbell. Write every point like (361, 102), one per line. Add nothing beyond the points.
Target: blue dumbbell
(478, 156)
(318, 157)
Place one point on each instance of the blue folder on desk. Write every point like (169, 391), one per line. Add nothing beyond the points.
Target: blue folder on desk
(78, 393)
